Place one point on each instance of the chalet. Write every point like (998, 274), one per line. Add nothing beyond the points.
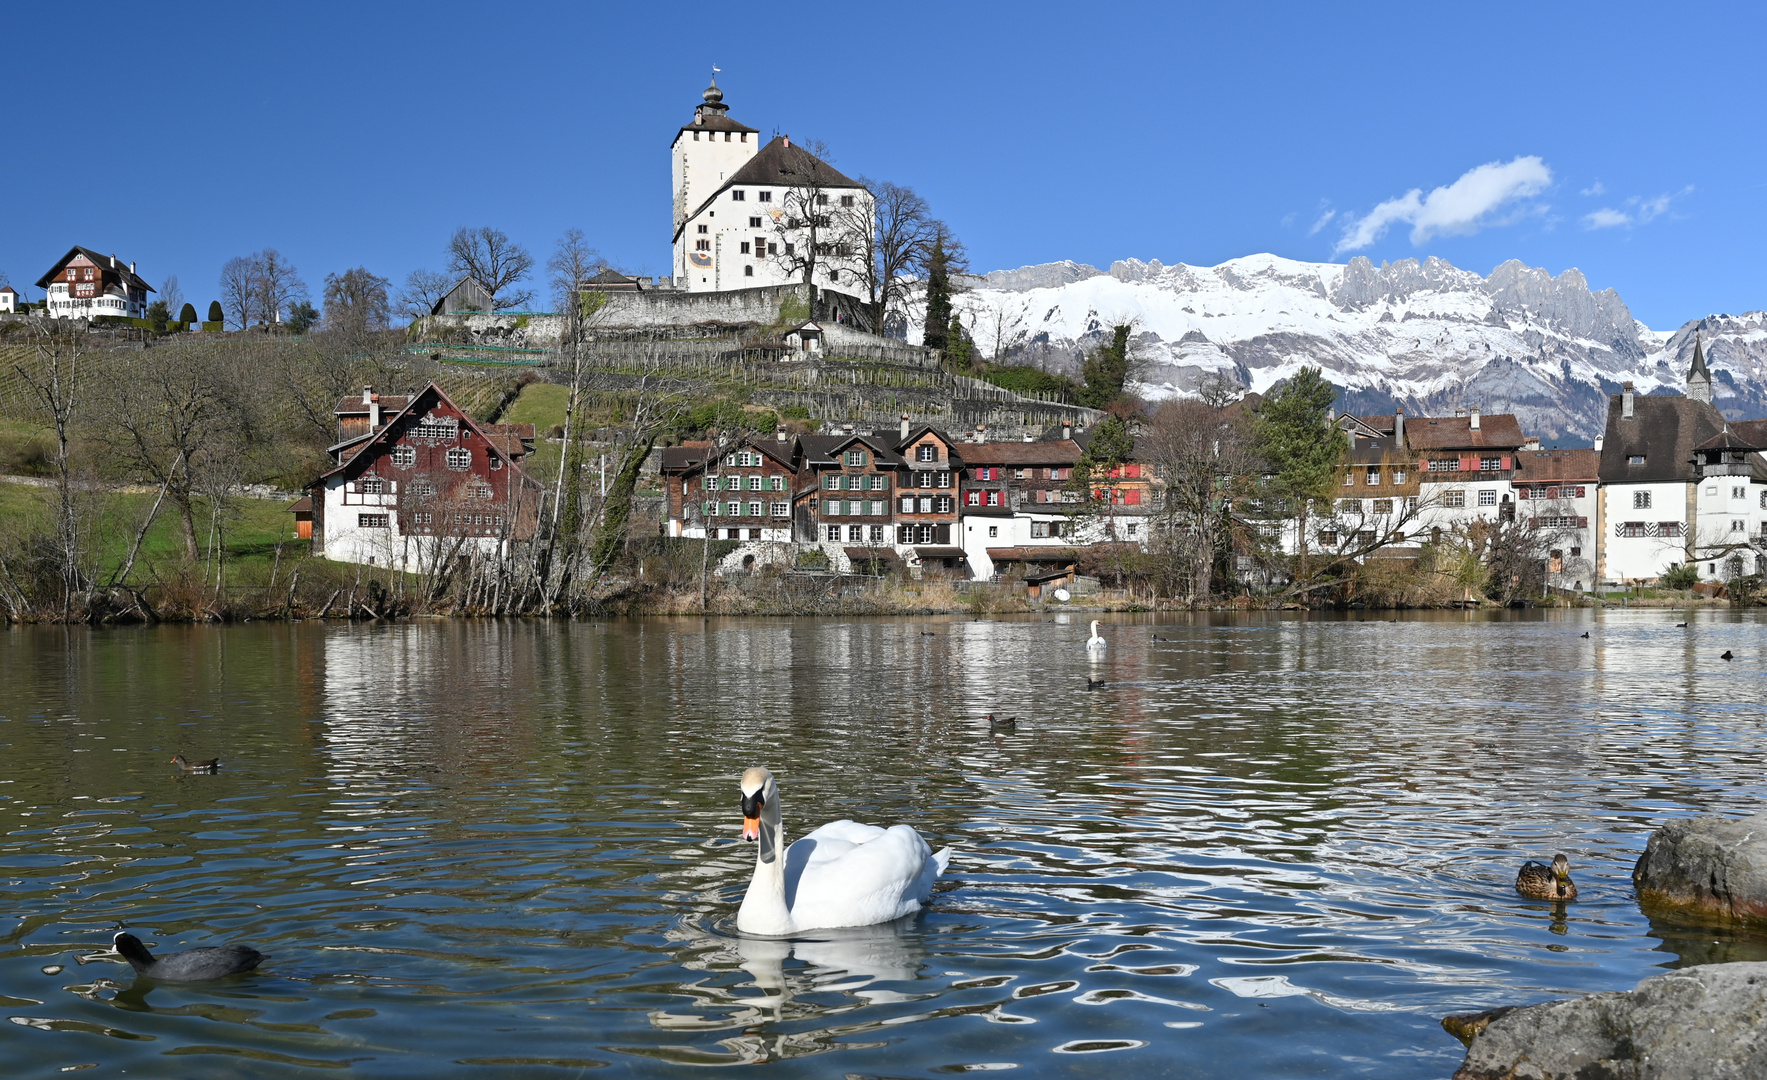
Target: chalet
(746, 494)
(468, 297)
(417, 481)
(1017, 498)
(10, 301)
(84, 284)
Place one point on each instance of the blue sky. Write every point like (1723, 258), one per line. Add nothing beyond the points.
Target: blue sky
(1624, 140)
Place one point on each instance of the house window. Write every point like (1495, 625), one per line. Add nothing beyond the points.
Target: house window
(1487, 497)
(876, 534)
(926, 452)
(711, 509)
(1764, 500)
(993, 531)
(754, 509)
(1444, 465)
(702, 245)
(876, 507)
(435, 429)
(944, 479)
(1373, 475)
(371, 521)
(833, 533)
(993, 498)
(1383, 506)
(763, 196)
(1349, 478)
(702, 230)
(1490, 464)
(856, 458)
(422, 517)
(737, 195)
(1641, 500)
(855, 534)
(404, 456)
(710, 483)
(907, 505)
(1328, 539)
(831, 482)
(879, 482)
(1349, 506)
(1454, 499)
(1635, 459)
(371, 485)
(1739, 493)
(780, 509)
(1669, 528)
(459, 458)
(1398, 476)
(754, 483)
(847, 200)
(733, 509)
(1739, 526)
(942, 504)
(972, 498)
(496, 462)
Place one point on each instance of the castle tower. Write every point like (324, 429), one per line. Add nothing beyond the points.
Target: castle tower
(706, 152)
(1699, 376)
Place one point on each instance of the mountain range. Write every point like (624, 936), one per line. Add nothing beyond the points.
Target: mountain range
(1423, 334)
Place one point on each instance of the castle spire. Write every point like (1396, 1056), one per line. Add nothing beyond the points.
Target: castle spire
(1699, 376)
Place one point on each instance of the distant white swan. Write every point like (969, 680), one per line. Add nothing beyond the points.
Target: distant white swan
(843, 874)
(1095, 644)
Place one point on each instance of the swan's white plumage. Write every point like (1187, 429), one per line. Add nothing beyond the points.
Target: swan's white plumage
(1095, 644)
(842, 874)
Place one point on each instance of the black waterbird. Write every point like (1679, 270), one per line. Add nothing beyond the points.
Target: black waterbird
(192, 965)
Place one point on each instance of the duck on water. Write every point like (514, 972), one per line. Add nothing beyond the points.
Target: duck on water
(192, 965)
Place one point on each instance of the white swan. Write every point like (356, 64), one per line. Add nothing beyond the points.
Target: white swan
(1095, 644)
(843, 874)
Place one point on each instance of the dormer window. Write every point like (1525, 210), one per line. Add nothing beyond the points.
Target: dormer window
(926, 452)
(1635, 459)
(856, 458)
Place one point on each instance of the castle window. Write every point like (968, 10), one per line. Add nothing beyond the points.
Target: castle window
(754, 223)
(763, 196)
(696, 136)
(748, 271)
(727, 136)
(745, 247)
(846, 200)
(737, 195)
(704, 229)
(744, 137)
(1641, 500)
(702, 245)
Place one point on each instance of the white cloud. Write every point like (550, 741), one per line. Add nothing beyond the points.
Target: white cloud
(1596, 188)
(1324, 219)
(1638, 211)
(1459, 209)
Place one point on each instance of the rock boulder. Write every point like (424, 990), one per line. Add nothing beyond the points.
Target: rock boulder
(1708, 1022)
(1707, 869)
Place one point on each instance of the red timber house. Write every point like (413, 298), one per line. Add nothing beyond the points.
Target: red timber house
(84, 284)
(1017, 505)
(417, 480)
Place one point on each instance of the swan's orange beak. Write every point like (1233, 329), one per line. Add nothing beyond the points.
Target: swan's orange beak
(751, 815)
(751, 828)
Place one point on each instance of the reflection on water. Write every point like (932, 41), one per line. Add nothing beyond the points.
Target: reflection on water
(1268, 846)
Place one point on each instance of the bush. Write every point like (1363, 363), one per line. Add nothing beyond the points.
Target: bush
(215, 313)
(213, 326)
(1681, 577)
(187, 314)
(1029, 380)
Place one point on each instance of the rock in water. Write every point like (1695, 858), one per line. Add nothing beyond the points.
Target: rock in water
(1707, 869)
(1701, 1022)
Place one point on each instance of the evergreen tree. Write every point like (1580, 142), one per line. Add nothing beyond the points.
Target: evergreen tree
(215, 314)
(158, 316)
(960, 348)
(1299, 446)
(1106, 370)
(938, 295)
(301, 316)
(187, 314)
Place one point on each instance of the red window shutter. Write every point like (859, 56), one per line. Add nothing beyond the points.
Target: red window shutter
(1582, 523)
(1521, 494)
(1423, 465)
(1469, 464)
(1133, 497)
(1508, 463)
(1132, 471)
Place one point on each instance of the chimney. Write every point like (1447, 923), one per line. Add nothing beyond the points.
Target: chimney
(1067, 429)
(1028, 437)
(1474, 414)
(1626, 392)
(1398, 427)
(374, 413)
(848, 428)
(904, 427)
(1598, 441)
(779, 433)
(131, 268)
(367, 394)
(981, 433)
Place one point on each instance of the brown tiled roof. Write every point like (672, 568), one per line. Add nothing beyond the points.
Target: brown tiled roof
(1663, 430)
(103, 262)
(302, 505)
(866, 554)
(1061, 452)
(512, 439)
(1499, 431)
(1537, 466)
(942, 552)
(391, 405)
(1752, 433)
(1052, 553)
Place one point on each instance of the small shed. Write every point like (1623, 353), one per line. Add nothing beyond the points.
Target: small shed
(942, 561)
(302, 509)
(805, 338)
(611, 280)
(467, 297)
(9, 299)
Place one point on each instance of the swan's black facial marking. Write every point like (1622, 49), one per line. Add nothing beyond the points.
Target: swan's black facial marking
(751, 805)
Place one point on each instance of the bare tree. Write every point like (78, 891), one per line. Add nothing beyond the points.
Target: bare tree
(422, 291)
(894, 233)
(53, 385)
(495, 261)
(279, 285)
(573, 262)
(809, 230)
(239, 291)
(1219, 389)
(356, 302)
(171, 295)
(1204, 455)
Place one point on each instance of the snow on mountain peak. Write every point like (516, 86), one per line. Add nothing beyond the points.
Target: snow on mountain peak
(1425, 334)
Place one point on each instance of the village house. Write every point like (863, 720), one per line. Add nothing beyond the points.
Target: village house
(1017, 501)
(417, 482)
(745, 495)
(1680, 485)
(1556, 492)
(745, 213)
(10, 302)
(84, 284)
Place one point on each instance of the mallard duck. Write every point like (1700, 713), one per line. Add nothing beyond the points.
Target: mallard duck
(1543, 882)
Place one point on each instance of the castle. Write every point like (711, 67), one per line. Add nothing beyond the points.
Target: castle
(748, 215)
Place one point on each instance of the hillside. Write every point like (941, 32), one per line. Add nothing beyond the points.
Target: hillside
(1424, 334)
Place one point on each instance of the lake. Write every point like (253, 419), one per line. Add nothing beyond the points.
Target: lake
(1269, 846)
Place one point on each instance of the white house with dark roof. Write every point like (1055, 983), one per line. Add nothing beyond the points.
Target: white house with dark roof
(84, 284)
(749, 215)
(10, 301)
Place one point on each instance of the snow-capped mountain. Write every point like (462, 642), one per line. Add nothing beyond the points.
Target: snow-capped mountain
(1423, 334)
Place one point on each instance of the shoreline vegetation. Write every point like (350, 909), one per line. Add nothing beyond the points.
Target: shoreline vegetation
(133, 476)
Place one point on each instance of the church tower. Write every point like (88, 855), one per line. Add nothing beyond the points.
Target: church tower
(705, 153)
(1699, 376)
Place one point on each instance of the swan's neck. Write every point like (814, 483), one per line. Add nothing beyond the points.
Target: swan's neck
(763, 908)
